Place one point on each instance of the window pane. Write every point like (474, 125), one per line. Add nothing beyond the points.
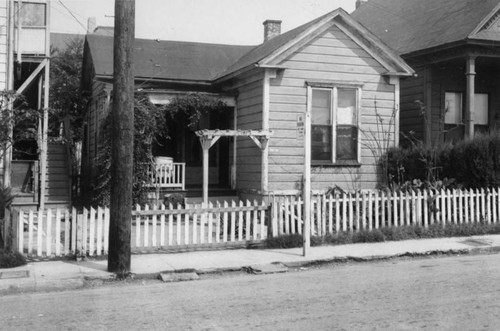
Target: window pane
(321, 140)
(321, 106)
(481, 109)
(346, 107)
(453, 108)
(32, 14)
(347, 142)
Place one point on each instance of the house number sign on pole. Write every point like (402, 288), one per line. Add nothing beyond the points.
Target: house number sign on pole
(300, 126)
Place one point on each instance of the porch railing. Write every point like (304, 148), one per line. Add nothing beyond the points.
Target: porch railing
(168, 175)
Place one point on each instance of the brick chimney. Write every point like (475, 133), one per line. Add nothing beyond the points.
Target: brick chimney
(272, 28)
(360, 3)
(91, 25)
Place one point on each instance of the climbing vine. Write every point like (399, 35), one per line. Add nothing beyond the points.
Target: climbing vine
(150, 125)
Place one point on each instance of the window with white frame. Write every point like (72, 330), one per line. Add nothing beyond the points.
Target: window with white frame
(335, 124)
(454, 108)
(481, 109)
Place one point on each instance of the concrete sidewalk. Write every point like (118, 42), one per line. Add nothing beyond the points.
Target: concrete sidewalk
(62, 275)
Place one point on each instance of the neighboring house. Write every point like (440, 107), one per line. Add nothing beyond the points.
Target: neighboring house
(454, 47)
(331, 67)
(34, 169)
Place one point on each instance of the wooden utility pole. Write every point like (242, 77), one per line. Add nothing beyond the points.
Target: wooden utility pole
(123, 139)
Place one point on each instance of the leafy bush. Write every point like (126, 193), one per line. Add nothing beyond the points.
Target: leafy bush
(473, 163)
(9, 259)
(284, 241)
(388, 234)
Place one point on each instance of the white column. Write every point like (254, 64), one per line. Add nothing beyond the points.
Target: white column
(307, 174)
(469, 97)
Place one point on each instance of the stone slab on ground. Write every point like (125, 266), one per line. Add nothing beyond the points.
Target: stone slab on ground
(262, 269)
(178, 277)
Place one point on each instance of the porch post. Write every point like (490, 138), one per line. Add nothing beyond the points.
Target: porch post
(205, 144)
(470, 73)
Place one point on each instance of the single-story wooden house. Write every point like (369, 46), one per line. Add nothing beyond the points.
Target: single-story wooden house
(454, 47)
(331, 67)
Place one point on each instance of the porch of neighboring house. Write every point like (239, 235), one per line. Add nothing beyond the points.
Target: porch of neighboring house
(462, 93)
(178, 167)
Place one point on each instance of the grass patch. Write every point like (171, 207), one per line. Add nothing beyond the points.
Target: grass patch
(387, 234)
(10, 259)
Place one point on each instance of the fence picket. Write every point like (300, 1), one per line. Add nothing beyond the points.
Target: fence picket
(179, 227)
(100, 221)
(395, 208)
(162, 227)
(91, 232)
(300, 223)
(255, 221)
(357, 212)
(263, 233)
(154, 227)
(241, 221)
(377, 196)
(67, 229)
(186, 229)
(350, 212)
(57, 237)
(330, 214)
(30, 231)
(389, 209)
(195, 228)
(466, 206)
(426, 209)
(225, 225)
(74, 227)
(171, 227)
(247, 222)
(287, 216)
(146, 228)
(370, 211)
(106, 231)
(20, 231)
(217, 222)
(478, 206)
(210, 223)
(138, 227)
(48, 233)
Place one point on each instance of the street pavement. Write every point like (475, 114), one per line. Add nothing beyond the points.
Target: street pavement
(66, 274)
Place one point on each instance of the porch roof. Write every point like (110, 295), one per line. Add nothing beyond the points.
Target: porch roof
(413, 25)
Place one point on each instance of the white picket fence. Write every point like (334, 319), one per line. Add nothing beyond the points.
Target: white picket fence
(372, 210)
(60, 232)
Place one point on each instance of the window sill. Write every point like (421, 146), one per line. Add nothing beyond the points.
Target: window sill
(340, 164)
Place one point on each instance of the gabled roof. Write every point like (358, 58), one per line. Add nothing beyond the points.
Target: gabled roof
(172, 60)
(413, 25)
(206, 63)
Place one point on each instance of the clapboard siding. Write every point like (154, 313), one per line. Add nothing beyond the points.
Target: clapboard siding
(96, 114)
(333, 56)
(249, 117)
(3, 45)
(412, 89)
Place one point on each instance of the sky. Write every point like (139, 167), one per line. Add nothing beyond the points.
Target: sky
(212, 21)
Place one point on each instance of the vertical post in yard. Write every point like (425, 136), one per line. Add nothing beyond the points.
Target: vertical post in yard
(307, 174)
(123, 139)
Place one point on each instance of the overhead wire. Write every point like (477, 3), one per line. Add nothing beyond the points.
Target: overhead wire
(73, 15)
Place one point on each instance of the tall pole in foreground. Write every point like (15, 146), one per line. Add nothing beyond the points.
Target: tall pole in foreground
(307, 175)
(123, 139)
